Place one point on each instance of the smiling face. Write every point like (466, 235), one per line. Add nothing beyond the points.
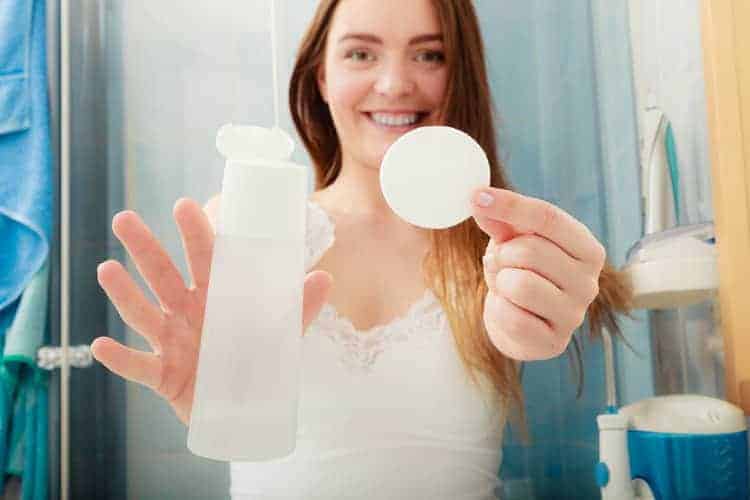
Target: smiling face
(384, 74)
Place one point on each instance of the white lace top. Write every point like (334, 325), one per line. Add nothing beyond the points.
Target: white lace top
(387, 413)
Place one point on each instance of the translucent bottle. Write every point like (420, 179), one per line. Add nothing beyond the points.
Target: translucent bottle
(247, 383)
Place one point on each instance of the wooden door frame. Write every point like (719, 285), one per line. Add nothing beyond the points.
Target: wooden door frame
(726, 51)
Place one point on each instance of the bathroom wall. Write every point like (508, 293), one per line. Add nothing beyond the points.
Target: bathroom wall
(668, 60)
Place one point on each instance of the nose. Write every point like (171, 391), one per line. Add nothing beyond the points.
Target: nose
(394, 80)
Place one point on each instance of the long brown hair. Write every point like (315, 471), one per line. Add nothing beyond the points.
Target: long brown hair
(453, 266)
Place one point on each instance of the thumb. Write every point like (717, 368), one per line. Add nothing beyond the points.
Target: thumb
(317, 286)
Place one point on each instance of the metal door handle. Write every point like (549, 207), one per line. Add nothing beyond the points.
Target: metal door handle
(49, 357)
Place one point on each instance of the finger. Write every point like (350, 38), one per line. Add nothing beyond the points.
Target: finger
(497, 230)
(518, 333)
(532, 215)
(537, 295)
(132, 305)
(197, 239)
(545, 258)
(131, 364)
(490, 266)
(317, 286)
(151, 259)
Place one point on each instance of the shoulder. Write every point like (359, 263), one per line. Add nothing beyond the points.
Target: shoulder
(320, 233)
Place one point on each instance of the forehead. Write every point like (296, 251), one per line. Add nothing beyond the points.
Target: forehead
(391, 20)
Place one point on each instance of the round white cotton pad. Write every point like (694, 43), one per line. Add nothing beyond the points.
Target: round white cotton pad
(429, 174)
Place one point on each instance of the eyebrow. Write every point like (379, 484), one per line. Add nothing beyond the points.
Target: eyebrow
(366, 37)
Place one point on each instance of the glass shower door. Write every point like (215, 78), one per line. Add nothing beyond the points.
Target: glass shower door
(149, 84)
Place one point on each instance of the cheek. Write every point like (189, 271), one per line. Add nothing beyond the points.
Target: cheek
(434, 87)
(346, 92)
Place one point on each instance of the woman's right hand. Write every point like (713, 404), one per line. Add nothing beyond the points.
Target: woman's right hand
(172, 328)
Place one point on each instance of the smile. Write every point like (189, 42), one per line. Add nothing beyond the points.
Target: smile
(396, 121)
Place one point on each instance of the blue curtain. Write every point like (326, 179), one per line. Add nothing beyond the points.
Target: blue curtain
(562, 83)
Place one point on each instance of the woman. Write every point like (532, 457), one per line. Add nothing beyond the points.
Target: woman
(410, 358)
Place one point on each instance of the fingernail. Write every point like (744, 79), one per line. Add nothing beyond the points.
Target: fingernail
(484, 199)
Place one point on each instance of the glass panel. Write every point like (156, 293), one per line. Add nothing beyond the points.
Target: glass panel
(152, 82)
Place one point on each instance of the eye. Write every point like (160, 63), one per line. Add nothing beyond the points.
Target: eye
(360, 55)
(432, 57)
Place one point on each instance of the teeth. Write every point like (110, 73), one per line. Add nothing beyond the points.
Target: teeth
(394, 120)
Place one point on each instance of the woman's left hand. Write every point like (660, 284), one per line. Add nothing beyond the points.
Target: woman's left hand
(542, 268)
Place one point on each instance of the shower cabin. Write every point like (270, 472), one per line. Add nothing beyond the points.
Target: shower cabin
(138, 90)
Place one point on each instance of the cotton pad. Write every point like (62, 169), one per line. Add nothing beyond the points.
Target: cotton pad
(429, 174)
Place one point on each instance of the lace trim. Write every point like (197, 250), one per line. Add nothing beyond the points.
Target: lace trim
(361, 348)
(319, 235)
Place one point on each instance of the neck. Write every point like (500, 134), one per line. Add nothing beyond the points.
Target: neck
(357, 191)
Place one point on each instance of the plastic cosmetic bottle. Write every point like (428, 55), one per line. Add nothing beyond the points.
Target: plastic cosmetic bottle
(247, 383)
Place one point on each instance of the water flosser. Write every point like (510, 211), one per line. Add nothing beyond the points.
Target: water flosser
(247, 383)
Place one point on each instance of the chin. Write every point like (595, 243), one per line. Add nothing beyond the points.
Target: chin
(377, 160)
(374, 157)
(378, 155)
(374, 164)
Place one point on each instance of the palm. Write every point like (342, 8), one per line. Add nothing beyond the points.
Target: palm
(178, 354)
(172, 328)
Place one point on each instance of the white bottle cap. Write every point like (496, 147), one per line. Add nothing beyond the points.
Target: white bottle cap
(263, 194)
(429, 174)
(246, 143)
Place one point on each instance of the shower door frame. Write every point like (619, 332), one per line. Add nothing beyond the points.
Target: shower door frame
(86, 453)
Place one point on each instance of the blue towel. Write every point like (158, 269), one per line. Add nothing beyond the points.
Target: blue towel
(25, 229)
(25, 156)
